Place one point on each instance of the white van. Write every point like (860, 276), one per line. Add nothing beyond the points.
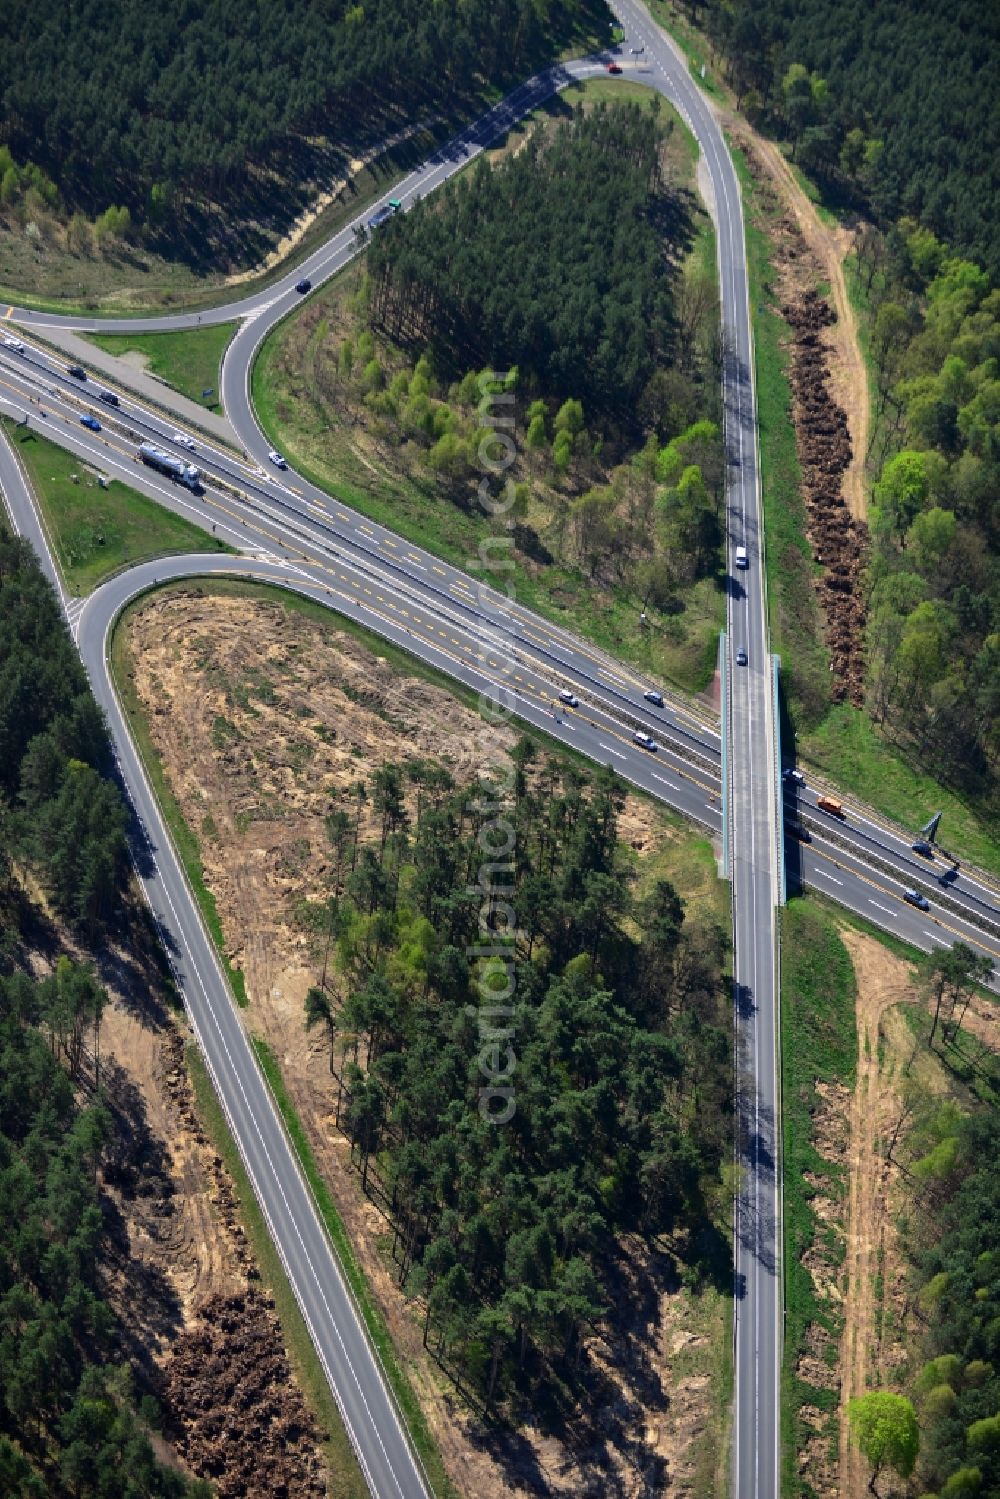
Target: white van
(742, 560)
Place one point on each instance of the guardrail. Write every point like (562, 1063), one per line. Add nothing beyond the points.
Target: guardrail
(830, 831)
(727, 833)
(820, 783)
(132, 393)
(779, 830)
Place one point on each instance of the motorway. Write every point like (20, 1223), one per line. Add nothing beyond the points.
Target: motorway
(293, 533)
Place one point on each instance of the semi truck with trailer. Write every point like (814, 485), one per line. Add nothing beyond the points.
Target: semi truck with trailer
(173, 468)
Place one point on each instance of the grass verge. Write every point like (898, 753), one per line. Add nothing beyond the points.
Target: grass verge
(185, 841)
(690, 856)
(819, 1044)
(794, 614)
(95, 531)
(411, 666)
(682, 654)
(694, 46)
(840, 916)
(298, 419)
(847, 748)
(708, 1317)
(687, 859)
(190, 360)
(369, 1308)
(348, 1482)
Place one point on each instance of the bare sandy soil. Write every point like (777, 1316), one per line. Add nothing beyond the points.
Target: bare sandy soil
(879, 1323)
(873, 1263)
(179, 1275)
(856, 1263)
(829, 245)
(262, 717)
(324, 200)
(822, 434)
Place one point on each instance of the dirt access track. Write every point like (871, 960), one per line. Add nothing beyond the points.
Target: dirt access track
(879, 1324)
(829, 245)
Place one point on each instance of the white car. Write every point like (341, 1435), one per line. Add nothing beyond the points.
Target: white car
(183, 441)
(277, 459)
(646, 740)
(15, 344)
(569, 697)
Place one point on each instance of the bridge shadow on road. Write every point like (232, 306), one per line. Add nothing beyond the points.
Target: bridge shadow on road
(756, 1152)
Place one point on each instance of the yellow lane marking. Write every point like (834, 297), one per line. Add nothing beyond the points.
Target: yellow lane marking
(982, 938)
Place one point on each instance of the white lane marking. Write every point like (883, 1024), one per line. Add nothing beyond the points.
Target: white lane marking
(831, 877)
(610, 750)
(291, 1218)
(873, 902)
(935, 938)
(671, 784)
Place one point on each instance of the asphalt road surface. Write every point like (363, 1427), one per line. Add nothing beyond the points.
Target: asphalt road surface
(298, 536)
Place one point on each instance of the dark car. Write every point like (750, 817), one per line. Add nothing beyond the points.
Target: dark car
(950, 875)
(91, 422)
(921, 846)
(303, 286)
(654, 697)
(741, 657)
(914, 898)
(791, 774)
(796, 830)
(614, 67)
(77, 371)
(108, 397)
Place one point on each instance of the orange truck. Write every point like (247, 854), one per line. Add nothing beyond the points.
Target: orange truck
(830, 804)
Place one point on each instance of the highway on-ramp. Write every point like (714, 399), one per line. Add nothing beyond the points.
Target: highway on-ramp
(304, 540)
(335, 1325)
(755, 821)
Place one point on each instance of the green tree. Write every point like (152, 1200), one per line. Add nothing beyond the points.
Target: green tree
(931, 537)
(537, 436)
(569, 418)
(562, 451)
(900, 493)
(984, 1435)
(885, 1428)
(319, 1011)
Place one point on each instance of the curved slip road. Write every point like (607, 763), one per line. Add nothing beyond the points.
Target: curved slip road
(335, 1325)
(754, 793)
